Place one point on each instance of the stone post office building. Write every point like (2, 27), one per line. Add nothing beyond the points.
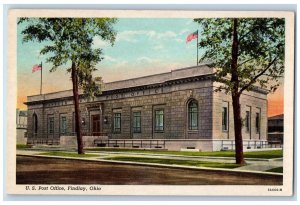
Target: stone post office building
(174, 110)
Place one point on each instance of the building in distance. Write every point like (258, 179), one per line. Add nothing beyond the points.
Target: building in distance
(21, 122)
(276, 128)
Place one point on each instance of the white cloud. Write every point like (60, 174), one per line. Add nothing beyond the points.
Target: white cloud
(179, 40)
(131, 35)
(109, 58)
(183, 31)
(145, 59)
(127, 36)
(122, 64)
(158, 47)
(150, 34)
(167, 34)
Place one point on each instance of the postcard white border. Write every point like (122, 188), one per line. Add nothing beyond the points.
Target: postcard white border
(182, 190)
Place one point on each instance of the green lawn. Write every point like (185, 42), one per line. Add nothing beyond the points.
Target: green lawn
(23, 146)
(277, 169)
(175, 162)
(68, 154)
(254, 154)
(264, 154)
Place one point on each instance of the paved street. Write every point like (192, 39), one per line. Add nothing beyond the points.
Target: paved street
(36, 170)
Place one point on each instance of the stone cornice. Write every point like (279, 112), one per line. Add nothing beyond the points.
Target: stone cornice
(131, 89)
(159, 85)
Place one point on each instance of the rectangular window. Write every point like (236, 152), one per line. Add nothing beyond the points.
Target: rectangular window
(51, 125)
(159, 120)
(193, 115)
(224, 118)
(247, 123)
(63, 124)
(137, 122)
(117, 122)
(257, 123)
(193, 121)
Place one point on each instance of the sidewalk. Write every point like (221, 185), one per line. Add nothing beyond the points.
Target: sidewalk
(253, 165)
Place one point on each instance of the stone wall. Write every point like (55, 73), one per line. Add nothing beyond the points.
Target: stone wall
(43, 115)
(88, 141)
(172, 99)
(253, 102)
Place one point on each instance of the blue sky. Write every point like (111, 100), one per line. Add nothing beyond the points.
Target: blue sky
(146, 46)
(142, 47)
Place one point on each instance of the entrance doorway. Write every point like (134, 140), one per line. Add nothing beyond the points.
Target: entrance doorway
(96, 129)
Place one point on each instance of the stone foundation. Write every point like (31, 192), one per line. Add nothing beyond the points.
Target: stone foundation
(166, 144)
(88, 141)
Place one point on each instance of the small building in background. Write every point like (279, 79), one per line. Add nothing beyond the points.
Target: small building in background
(275, 128)
(21, 121)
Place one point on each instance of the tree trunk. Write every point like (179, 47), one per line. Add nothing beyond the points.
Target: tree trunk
(77, 111)
(239, 155)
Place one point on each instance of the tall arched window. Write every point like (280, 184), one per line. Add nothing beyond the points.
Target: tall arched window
(193, 115)
(35, 123)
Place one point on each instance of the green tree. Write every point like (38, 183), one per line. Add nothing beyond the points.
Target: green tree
(246, 52)
(70, 43)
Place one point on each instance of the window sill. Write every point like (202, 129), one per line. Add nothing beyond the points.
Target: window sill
(193, 131)
(158, 131)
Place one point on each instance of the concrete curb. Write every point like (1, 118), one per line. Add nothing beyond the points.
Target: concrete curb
(185, 156)
(92, 159)
(165, 155)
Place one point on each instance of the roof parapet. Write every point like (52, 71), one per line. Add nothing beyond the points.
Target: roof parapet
(200, 70)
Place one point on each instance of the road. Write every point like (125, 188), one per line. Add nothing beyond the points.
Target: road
(36, 170)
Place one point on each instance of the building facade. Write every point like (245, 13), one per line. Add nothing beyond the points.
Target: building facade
(276, 129)
(21, 121)
(174, 110)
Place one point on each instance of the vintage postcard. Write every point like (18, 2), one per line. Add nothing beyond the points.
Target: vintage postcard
(150, 103)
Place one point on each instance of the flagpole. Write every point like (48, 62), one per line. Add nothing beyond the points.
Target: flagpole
(197, 47)
(41, 78)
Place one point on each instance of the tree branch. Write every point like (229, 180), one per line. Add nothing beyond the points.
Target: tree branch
(257, 76)
(220, 88)
(251, 30)
(273, 76)
(247, 33)
(246, 61)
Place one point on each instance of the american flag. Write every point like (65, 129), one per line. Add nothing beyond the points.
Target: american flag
(36, 68)
(192, 36)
